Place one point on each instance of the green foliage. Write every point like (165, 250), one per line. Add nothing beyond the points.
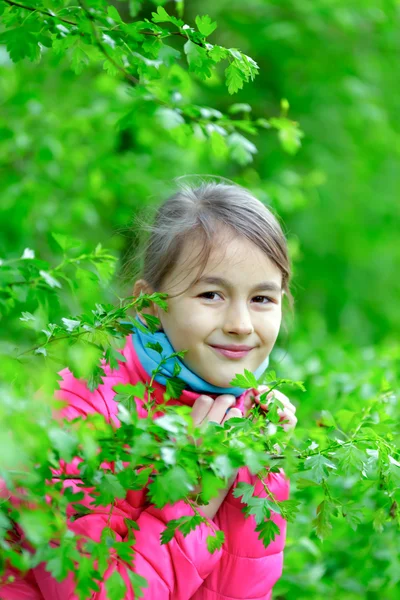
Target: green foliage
(101, 106)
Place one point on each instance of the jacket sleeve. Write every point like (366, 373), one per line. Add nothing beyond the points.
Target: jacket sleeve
(175, 570)
(24, 587)
(247, 569)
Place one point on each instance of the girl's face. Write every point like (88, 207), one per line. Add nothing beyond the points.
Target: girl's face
(242, 306)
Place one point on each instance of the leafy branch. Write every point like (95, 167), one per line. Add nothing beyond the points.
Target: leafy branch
(138, 52)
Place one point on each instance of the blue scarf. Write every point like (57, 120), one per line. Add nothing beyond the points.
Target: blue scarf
(150, 359)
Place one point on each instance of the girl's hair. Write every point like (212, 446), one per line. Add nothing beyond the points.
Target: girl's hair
(199, 210)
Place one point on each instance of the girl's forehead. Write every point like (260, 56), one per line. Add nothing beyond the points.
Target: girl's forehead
(228, 251)
(231, 256)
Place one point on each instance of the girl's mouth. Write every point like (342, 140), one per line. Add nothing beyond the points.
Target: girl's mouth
(231, 353)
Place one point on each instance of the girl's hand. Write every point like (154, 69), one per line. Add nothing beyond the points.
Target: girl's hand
(219, 410)
(287, 413)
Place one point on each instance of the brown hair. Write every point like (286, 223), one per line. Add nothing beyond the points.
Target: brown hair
(200, 210)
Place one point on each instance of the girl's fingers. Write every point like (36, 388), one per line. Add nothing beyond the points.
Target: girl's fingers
(201, 408)
(290, 418)
(220, 406)
(287, 413)
(231, 414)
(281, 397)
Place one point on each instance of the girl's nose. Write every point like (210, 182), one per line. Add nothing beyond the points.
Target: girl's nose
(239, 322)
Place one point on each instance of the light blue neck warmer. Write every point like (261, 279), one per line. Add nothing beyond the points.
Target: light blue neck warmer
(150, 359)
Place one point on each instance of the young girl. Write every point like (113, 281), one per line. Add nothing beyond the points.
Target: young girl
(221, 257)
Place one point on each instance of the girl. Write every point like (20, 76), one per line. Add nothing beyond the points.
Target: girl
(221, 257)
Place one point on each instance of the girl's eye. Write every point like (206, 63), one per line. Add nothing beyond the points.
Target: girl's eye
(266, 297)
(204, 294)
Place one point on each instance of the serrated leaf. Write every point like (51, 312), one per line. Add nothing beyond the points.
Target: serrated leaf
(184, 524)
(243, 490)
(198, 60)
(161, 16)
(214, 542)
(169, 487)
(234, 78)
(322, 521)
(205, 25)
(137, 390)
(115, 587)
(113, 357)
(21, 43)
(317, 466)
(156, 346)
(138, 583)
(350, 459)
(110, 489)
(246, 380)
(267, 532)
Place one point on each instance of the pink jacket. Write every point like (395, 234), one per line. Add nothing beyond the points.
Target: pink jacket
(183, 569)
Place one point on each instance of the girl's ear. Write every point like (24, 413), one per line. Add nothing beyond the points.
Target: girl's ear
(142, 287)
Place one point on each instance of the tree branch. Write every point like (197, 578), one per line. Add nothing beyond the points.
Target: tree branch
(42, 12)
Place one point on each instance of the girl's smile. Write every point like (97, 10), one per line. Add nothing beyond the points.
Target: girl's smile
(231, 353)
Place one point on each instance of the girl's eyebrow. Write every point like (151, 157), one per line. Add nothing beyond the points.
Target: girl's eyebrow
(265, 285)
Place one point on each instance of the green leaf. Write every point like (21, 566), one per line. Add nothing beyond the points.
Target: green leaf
(289, 133)
(113, 357)
(318, 466)
(218, 53)
(239, 107)
(198, 60)
(184, 524)
(66, 242)
(234, 78)
(21, 43)
(50, 280)
(137, 390)
(322, 521)
(64, 442)
(156, 346)
(70, 324)
(115, 587)
(161, 16)
(108, 490)
(267, 530)
(351, 459)
(174, 387)
(243, 490)
(222, 466)
(211, 485)
(241, 149)
(214, 542)
(79, 58)
(36, 525)
(205, 25)
(169, 487)
(177, 369)
(114, 14)
(138, 583)
(247, 380)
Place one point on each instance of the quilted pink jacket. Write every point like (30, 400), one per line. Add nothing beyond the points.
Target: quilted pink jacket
(183, 569)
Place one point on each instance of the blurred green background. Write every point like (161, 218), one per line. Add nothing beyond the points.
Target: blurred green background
(80, 156)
